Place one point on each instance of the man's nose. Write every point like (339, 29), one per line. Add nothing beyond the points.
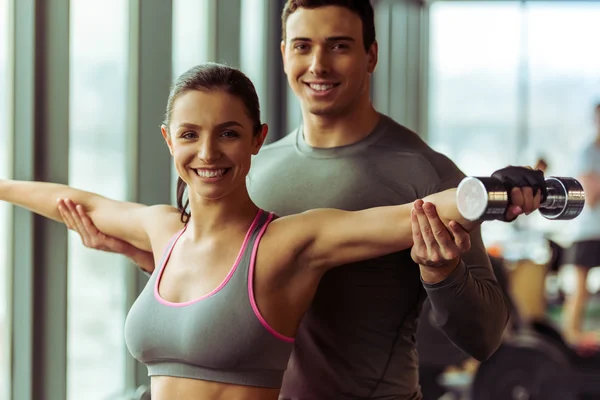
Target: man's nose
(320, 62)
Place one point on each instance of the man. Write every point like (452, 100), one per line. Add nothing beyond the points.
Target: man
(585, 251)
(358, 338)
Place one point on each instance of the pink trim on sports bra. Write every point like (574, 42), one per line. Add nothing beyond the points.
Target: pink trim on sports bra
(251, 287)
(218, 288)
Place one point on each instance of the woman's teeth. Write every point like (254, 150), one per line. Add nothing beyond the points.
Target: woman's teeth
(211, 173)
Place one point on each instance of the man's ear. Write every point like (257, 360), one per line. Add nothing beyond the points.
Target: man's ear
(165, 133)
(260, 138)
(373, 57)
(282, 47)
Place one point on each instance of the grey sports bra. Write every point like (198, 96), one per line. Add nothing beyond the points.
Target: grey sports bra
(218, 337)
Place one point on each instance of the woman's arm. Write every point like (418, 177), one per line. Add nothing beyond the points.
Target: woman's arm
(123, 220)
(328, 238)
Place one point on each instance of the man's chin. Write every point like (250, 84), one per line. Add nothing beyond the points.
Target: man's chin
(324, 111)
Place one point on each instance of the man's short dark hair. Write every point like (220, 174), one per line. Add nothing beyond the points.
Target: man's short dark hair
(362, 8)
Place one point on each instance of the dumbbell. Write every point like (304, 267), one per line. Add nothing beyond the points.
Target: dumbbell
(486, 198)
(527, 366)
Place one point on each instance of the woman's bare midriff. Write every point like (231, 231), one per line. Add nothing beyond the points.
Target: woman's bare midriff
(170, 388)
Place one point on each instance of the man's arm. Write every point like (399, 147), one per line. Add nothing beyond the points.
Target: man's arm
(467, 302)
(468, 305)
(76, 219)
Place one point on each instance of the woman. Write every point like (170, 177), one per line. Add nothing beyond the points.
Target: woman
(218, 316)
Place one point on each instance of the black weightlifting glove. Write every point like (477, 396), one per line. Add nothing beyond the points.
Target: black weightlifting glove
(522, 177)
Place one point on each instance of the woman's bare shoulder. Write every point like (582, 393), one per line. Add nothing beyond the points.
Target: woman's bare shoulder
(162, 221)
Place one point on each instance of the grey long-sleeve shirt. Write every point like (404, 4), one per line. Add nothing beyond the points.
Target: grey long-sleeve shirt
(357, 340)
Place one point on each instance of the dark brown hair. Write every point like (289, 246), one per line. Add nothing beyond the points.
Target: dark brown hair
(212, 77)
(362, 8)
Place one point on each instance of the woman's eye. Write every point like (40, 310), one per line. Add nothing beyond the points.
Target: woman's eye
(229, 134)
(189, 135)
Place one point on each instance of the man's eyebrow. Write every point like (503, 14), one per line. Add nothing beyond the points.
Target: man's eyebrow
(340, 39)
(328, 39)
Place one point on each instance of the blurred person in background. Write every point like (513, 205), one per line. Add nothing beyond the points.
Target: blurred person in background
(584, 253)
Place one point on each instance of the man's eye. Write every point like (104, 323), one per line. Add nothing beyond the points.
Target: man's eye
(340, 46)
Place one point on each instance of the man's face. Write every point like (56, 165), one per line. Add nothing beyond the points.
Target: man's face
(325, 59)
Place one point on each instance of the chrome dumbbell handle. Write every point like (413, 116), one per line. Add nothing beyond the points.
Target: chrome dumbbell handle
(486, 198)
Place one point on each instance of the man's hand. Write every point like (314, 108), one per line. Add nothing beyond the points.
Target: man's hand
(528, 186)
(76, 219)
(437, 248)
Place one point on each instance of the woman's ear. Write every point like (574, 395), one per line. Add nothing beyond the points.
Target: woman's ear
(165, 132)
(260, 138)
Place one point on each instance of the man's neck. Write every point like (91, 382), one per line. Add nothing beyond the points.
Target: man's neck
(336, 131)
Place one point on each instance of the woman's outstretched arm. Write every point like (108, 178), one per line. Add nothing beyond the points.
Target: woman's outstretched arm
(331, 237)
(328, 238)
(120, 219)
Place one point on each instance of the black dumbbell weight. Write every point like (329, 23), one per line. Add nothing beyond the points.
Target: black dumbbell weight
(528, 367)
(486, 198)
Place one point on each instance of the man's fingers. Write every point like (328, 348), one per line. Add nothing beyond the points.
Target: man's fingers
(426, 231)
(516, 197)
(416, 229)
(516, 205)
(440, 233)
(86, 221)
(87, 239)
(65, 215)
(527, 199)
(419, 249)
(446, 249)
(77, 221)
(537, 200)
(114, 245)
(462, 239)
(513, 212)
(76, 218)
